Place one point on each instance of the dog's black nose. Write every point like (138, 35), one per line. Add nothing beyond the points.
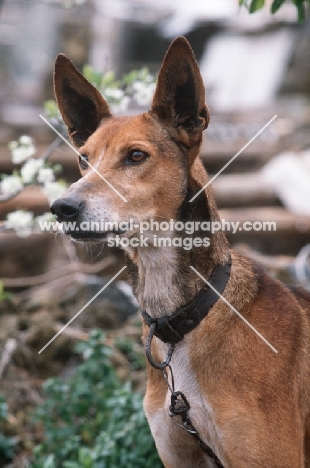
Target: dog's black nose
(66, 208)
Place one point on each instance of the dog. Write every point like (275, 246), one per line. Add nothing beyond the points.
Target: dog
(217, 395)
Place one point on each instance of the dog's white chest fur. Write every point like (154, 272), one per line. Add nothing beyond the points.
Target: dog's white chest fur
(201, 415)
(159, 294)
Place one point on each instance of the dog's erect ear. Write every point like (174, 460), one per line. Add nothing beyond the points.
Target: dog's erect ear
(179, 98)
(81, 105)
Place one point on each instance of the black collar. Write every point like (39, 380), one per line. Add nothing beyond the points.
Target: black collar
(172, 328)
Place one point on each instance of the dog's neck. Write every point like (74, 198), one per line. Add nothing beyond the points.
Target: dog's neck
(162, 277)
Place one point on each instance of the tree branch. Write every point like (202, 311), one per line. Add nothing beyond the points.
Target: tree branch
(77, 267)
(9, 196)
(51, 148)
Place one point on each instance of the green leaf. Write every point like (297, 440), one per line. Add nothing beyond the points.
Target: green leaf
(256, 5)
(57, 168)
(85, 457)
(71, 464)
(276, 4)
(301, 12)
(49, 462)
(7, 446)
(92, 75)
(108, 80)
(51, 109)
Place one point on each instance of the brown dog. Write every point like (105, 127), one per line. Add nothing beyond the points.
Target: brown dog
(234, 401)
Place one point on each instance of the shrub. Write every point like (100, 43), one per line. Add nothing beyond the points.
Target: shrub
(92, 420)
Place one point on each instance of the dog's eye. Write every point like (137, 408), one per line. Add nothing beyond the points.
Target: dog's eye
(83, 159)
(136, 156)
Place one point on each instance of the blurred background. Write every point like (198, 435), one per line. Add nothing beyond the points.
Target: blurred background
(254, 66)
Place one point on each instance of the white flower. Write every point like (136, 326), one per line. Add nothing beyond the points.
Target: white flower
(53, 190)
(25, 140)
(117, 99)
(30, 168)
(113, 94)
(45, 174)
(11, 184)
(143, 92)
(45, 218)
(120, 106)
(22, 150)
(21, 153)
(21, 221)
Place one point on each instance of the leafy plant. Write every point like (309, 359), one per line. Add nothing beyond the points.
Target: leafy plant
(134, 355)
(255, 5)
(92, 420)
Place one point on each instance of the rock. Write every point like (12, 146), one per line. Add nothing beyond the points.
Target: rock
(62, 301)
(111, 308)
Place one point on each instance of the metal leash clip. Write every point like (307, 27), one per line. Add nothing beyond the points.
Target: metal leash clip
(179, 404)
(148, 342)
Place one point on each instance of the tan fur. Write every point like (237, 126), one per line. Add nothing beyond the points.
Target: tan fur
(250, 405)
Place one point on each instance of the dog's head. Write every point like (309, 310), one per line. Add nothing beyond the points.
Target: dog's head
(132, 167)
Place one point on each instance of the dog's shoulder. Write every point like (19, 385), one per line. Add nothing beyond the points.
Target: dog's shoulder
(275, 287)
(302, 296)
(284, 303)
